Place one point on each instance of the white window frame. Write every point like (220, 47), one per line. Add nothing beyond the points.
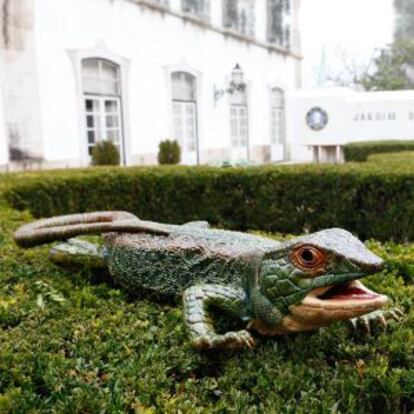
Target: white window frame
(102, 129)
(277, 118)
(187, 156)
(102, 52)
(101, 96)
(239, 122)
(184, 66)
(240, 151)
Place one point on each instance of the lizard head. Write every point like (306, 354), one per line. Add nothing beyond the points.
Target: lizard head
(314, 281)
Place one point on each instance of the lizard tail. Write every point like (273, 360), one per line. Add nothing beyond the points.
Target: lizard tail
(64, 227)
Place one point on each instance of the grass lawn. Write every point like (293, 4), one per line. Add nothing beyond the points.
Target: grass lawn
(72, 342)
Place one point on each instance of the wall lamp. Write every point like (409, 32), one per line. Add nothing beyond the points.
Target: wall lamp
(236, 84)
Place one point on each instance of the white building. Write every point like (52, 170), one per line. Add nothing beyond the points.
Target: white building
(74, 72)
(321, 121)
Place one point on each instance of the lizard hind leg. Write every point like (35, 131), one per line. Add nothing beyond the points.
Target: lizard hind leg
(78, 253)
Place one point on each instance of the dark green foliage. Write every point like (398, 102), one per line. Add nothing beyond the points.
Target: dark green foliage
(389, 74)
(169, 152)
(360, 151)
(101, 351)
(368, 199)
(404, 26)
(105, 153)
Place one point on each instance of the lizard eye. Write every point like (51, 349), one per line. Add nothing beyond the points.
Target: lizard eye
(308, 258)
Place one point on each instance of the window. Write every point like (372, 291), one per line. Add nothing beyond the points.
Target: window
(164, 3)
(184, 103)
(239, 124)
(183, 87)
(278, 25)
(102, 102)
(239, 15)
(277, 116)
(100, 77)
(199, 8)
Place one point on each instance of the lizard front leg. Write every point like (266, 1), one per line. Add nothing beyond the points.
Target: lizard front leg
(197, 301)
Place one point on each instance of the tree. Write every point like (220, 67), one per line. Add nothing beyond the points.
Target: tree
(395, 64)
(349, 69)
(394, 68)
(405, 19)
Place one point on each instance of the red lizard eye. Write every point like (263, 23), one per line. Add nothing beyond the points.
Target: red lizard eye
(308, 258)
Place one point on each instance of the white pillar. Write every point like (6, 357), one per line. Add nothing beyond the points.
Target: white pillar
(321, 154)
(340, 154)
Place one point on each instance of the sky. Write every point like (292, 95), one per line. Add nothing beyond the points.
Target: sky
(348, 27)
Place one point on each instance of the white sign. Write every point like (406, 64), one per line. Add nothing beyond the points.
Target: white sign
(350, 117)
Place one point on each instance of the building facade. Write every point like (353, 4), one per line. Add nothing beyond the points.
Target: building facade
(212, 74)
(322, 121)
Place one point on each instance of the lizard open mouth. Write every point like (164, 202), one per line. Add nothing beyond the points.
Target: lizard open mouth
(329, 304)
(325, 305)
(349, 290)
(346, 295)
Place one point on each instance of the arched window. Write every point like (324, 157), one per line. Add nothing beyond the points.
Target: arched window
(184, 101)
(101, 87)
(239, 124)
(277, 116)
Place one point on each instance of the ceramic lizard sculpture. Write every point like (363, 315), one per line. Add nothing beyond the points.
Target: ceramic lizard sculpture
(276, 288)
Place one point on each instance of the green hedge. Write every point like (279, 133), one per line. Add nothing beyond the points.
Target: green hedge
(395, 159)
(359, 151)
(73, 343)
(370, 200)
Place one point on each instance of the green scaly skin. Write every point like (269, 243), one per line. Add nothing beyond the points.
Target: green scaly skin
(267, 284)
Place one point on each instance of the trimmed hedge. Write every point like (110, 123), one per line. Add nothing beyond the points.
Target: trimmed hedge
(369, 200)
(395, 159)
(360, 151)
(73, 343)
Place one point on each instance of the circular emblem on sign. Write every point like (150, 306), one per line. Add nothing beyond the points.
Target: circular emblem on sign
(316, 118)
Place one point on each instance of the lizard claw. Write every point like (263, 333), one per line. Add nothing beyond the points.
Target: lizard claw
(230, 340)
(237, 340)
(377, 317)
(381, 319)
(366, 324)
(354, 323)
(396, 314)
